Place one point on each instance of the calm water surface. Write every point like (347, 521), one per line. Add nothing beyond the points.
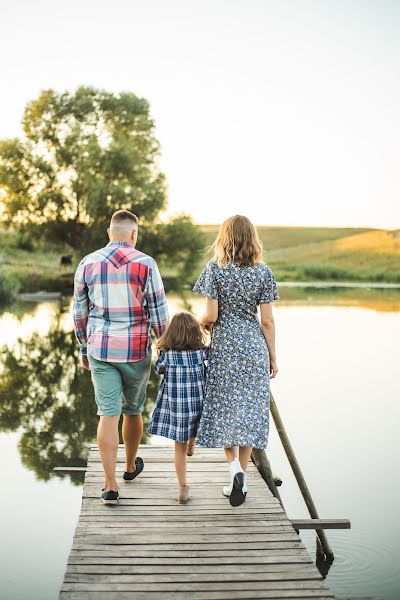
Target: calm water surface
(338, 392)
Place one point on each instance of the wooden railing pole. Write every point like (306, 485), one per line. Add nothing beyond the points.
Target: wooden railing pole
(299, 476)
(262, 463)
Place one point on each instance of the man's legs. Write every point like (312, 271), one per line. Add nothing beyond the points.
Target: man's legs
(107, 438)
(135, 378)
(107, 383)
(132, 431)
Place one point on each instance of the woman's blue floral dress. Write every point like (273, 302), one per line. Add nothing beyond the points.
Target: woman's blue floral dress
(236, 401)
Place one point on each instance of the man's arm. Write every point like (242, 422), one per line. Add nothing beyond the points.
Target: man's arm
(80, 311)
(157, 302)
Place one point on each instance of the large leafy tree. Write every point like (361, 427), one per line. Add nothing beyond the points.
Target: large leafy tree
(83, 156)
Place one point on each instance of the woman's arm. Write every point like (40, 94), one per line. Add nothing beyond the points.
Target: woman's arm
(268, 329)
(211, 314)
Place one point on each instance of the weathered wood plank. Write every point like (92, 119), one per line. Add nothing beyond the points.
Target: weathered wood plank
(321, 523)
(137, 547)
(227, 595)
(135, 552)
(198, 587)
(269, 573)
(285, 556)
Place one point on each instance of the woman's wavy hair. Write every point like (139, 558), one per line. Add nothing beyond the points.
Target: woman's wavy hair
(183, 333)
(237, 241)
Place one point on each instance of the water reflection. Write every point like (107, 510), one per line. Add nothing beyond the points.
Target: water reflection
(46, 394)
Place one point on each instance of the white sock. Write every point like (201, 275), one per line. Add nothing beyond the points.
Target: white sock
(235, 467)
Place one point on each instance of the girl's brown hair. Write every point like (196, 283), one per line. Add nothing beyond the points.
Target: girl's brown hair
(184, 333)
(237, 241)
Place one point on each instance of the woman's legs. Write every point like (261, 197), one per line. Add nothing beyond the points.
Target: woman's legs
(244, 456)
(232, 453)
(238, 458)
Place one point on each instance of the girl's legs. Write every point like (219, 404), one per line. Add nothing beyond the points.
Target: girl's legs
(180, 462)
(180, 468)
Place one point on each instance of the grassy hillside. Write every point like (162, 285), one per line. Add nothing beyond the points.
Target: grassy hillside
(294, 253)
(328, 253)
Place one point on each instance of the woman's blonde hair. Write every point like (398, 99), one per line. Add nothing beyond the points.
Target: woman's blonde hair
(237, 241)
(183, 333)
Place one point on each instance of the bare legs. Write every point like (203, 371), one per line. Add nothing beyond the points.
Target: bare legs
(107, 439)
(181, 449)
(180, 462)
(242, 453)
(132, 431)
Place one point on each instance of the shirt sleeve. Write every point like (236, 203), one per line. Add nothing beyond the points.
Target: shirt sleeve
(157, 302)
(269, 291)
(206, 283)
(160, 365)
(80, 311)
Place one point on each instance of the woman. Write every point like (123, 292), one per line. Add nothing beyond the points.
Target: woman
(242, 353)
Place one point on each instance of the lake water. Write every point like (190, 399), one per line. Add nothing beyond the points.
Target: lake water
(338, 391)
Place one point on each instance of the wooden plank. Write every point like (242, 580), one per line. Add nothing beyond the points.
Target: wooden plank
(269, 573)
(227, 595)
(321, 523)
(135, 552)
(136, 546)
(230, 559)
(285, 556)
(208, 586)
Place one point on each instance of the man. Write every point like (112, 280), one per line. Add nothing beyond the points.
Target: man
(118, 299)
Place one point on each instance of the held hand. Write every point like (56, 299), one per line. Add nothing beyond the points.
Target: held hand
(273, 369)
(85, 362)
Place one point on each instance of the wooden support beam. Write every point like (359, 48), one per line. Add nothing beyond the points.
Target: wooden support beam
(70, 469)
(321, 523)
(299, 477)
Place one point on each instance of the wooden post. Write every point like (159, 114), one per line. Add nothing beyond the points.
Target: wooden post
(299, 476)
(262, 463)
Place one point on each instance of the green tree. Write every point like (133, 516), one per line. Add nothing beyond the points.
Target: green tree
(83, 156)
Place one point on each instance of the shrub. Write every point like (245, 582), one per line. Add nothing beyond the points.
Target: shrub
(9, 288)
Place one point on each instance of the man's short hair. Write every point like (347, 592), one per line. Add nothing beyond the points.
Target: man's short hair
(124, 221)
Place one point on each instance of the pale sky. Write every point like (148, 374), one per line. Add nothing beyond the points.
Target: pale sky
(287, 111)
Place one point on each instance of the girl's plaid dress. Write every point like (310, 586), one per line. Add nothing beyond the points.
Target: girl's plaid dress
(179, 401)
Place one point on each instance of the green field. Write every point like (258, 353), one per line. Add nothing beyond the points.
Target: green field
(294, 254)
(328, 253)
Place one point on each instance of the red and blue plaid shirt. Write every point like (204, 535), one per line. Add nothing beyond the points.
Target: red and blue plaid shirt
(118, 299)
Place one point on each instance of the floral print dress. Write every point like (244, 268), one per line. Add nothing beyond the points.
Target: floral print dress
(236, 400)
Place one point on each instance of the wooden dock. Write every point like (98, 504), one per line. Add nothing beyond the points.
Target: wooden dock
(150, 548)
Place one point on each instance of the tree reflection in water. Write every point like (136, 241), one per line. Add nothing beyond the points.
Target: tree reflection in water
(46, 394)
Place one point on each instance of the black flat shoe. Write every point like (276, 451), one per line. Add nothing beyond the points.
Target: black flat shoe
(109, 497)
(139, 468)
(238, 496)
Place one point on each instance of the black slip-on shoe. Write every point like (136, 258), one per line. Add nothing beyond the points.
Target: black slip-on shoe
(139, 468)
(238, 496)
(110, 497)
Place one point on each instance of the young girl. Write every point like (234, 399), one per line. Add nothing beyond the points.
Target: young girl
(180, 399)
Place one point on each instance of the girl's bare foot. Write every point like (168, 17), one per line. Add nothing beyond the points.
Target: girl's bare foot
(183, 495)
